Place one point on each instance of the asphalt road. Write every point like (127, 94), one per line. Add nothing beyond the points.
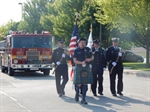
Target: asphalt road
(34, 92)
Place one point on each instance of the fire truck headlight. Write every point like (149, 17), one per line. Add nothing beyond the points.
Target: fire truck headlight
(15, 61)
(45, 57)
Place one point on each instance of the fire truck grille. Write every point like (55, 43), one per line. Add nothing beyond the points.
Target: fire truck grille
(33, 56)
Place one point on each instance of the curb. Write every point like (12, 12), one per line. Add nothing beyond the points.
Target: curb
(137, 73)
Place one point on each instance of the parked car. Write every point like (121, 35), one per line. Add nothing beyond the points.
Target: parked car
(132, 57)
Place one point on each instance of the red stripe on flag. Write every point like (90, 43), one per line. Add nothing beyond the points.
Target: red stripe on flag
(71, 74)
(73, 46)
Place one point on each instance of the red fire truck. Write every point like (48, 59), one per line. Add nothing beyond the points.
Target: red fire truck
(28, 52)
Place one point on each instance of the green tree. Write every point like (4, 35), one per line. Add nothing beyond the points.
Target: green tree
(60, 22)
(10, 25)
(61, 17)
(32, 12)
(127, 16)
(3, 31)
(23, 26)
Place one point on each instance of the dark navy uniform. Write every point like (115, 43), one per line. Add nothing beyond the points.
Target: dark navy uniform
(61, 70)
(81, 54)
(111, 56)
(98, 66)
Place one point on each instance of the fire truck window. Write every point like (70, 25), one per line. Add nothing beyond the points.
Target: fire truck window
(31, 42)
(44, 42)
(26, 43)
(37, 41)
(22, 42)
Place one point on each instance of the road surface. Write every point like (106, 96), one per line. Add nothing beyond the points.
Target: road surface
(34, 92)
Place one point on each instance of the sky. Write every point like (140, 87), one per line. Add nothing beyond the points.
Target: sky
(10, 9)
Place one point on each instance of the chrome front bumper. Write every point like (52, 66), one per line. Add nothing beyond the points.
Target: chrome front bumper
(32, 66)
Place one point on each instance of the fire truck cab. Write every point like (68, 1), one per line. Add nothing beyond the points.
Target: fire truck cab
(28, 52)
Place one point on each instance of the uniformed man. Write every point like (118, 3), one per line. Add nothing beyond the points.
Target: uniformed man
(59, 57)
(82, 74)
(98, 66)
(114, 57)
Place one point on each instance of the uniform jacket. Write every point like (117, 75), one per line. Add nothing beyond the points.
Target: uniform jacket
(99, 58)
(57, 55)
(82, 54)
(112, 54)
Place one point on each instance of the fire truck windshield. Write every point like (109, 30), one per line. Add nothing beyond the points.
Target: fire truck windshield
(31, 42)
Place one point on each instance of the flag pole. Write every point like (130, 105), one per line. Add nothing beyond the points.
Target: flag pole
(77, 17)
(73, 43)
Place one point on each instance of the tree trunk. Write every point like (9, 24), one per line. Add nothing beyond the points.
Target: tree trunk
(147, 53)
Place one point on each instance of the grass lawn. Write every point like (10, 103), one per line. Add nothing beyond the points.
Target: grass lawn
(137, 66)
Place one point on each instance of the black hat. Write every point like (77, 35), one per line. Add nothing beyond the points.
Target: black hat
(96, 41)
(81, 39)
(115, 39)
(61, 40)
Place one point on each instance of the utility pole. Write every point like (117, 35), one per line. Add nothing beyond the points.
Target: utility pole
(100, 32)
(21, 8)
(84, 34)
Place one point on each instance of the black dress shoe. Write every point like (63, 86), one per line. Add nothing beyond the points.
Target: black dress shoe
(101, 93)
(60, 95)
(63, 93)
(114, 94)
(94, 94)
(120, 93)
(83, 102)
(76, 97)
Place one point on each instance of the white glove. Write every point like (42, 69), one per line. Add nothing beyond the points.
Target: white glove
(90, 66)
(120, 54)
(73, 67)
(58, 62)
(104, 69)
(63, 55)
(114, 63)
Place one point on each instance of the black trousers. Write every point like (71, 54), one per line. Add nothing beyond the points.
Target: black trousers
(97, 79)
(84, 88)
(61, 77)
(80, 89)
(117, 71)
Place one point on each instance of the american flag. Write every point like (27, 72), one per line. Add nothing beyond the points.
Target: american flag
(73, 40)
(73, 45)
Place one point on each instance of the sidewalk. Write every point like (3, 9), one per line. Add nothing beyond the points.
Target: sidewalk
(140, 73)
